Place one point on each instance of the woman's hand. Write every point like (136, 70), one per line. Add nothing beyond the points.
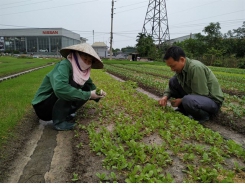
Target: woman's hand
(95, 96)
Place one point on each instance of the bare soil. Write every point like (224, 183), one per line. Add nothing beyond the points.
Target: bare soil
(36, 154)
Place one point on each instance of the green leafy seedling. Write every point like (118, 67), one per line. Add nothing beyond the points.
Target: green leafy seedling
(102, 176)
(98, 91)
(75, 177)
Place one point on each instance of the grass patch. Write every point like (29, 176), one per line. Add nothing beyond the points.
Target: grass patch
(15, 98)
(12, 65)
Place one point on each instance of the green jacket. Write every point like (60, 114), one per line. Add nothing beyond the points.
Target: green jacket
(196, 78)
(57, 81)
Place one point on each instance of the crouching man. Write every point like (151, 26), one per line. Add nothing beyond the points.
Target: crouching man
(194, 87)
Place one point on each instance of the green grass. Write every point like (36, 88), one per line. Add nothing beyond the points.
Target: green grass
(15, 99)
(12, 65)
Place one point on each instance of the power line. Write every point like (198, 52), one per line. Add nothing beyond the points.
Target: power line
(50, 7)
(131, 9)
(194, 7)
(26, 4)
(224, 23)
(215, 16)
(15, 2)
(132, 4)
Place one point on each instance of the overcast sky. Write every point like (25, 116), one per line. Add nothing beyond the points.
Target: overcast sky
(84, 16)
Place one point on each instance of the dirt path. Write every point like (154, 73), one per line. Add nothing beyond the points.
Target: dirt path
(44, 157)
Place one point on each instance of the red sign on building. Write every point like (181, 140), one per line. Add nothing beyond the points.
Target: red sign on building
(50, 32)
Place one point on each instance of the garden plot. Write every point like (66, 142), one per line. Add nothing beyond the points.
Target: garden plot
(127, 137)
(232, 111)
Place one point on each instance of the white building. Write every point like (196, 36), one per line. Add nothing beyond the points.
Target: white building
(101, 49)
(34, 40)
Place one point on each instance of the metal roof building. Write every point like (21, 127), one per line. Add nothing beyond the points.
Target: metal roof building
(101, 49)
(35, 40)
(182, 38)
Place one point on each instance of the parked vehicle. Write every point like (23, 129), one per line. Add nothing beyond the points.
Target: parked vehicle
(43, 50)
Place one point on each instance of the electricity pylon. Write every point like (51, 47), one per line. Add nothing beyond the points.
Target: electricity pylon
(156, 21)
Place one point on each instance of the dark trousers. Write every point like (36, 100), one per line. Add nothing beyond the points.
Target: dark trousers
(192, 104)
(46, 108)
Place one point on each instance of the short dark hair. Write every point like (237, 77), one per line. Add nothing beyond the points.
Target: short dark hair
(174, 52)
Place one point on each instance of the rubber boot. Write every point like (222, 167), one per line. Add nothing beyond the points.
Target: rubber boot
(74, 107)
(60, 112)
(71, 116)
(201, 116)
(72, 113)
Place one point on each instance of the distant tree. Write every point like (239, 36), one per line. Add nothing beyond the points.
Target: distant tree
(145, 46)
(234, 42)
(214, 35)
(129, 49)
(229, 34)
(240, 49)
(240, 32)
(115, 51)
(193, 47)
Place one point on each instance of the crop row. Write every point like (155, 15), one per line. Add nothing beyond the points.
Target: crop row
(229, 82)
(128, 123)
(157, 84)
(232, 104)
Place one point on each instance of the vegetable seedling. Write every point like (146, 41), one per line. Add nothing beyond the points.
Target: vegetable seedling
(99, 92)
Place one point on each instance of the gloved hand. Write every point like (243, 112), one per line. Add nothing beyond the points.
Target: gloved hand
(95, 96)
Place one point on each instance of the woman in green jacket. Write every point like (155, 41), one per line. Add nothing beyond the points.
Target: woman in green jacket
(68, 86)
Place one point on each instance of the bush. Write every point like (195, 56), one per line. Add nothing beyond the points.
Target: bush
(16, 52)
(23, 56)
(241, 63)
(218, 62)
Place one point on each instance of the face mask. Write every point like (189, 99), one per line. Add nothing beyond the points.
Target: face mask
(80, 63)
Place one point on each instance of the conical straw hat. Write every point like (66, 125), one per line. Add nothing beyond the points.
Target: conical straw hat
(86, 48)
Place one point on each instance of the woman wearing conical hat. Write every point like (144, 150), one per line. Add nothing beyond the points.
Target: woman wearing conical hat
(68, 86)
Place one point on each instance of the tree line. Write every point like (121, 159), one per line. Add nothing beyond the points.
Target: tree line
(213, 48)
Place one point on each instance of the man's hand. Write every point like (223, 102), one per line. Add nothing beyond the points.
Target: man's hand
(163, 101)
(176, 102)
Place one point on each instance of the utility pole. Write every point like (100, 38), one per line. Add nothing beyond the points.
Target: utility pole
(93, 36)
(112, 12)
(156, 21)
